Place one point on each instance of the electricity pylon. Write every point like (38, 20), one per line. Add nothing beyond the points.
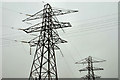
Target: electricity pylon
(44, 61)
(89, 61)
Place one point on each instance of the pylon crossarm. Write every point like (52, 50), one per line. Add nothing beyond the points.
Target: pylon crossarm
(32, 42)
(95, 61)
(59, 40)
(30, 30)
(55, 12)
(38, 27)
(84, 69)
(61, 25)
(87, 76)
(95, 68)
(58, 12)
(34, 16)
(85, 62)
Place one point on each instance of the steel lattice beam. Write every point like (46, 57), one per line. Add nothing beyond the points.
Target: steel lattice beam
(44, 62)
(90, 69)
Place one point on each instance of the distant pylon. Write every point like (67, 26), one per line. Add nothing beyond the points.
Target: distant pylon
(91, 75)
(44, 62)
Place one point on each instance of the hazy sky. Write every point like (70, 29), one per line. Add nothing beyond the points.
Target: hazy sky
(94, 33)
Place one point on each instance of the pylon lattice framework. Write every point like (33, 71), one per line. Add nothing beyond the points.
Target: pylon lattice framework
(89, 61)
(44, 62)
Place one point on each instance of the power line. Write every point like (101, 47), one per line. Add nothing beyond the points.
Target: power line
(82, 26)
(86, 30)
(81, 35)
(14, 11)
(92, 28)
(100, 17)
(105, 22)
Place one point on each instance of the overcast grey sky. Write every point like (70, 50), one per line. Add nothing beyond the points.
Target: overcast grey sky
(94, 33)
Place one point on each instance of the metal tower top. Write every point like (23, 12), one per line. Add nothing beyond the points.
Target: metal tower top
(44, 62)
(90, 68)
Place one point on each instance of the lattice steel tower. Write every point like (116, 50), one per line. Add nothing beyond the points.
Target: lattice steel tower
(44, 62)
(89, 61)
